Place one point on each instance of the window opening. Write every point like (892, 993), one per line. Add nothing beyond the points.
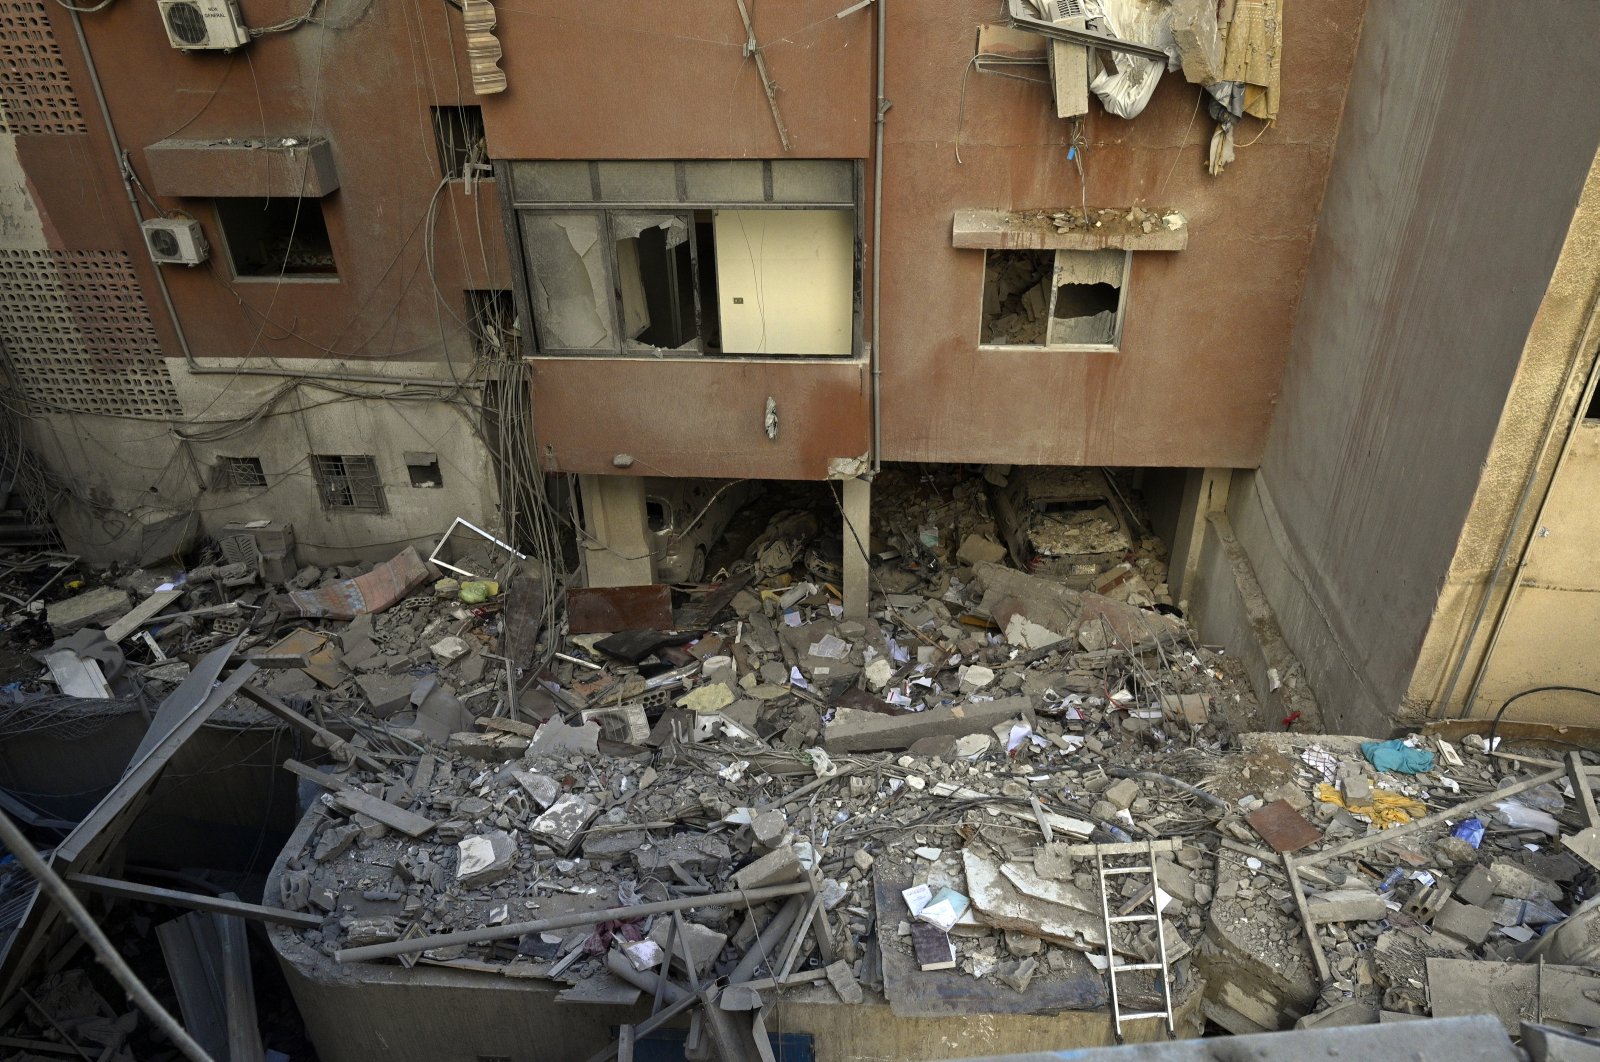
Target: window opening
(656, 515)
(282, 237)
(346, 481)
(1053, 298)
(238, 473)
(458, 134)
(492, 320)
(424, 469)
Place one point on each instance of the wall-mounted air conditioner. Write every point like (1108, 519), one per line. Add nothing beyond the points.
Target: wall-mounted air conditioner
(204, 25)
(176, 241)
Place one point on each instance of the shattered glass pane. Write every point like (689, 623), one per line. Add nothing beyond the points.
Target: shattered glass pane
(568, 280)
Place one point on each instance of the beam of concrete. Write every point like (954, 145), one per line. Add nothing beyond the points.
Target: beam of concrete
(857, 542)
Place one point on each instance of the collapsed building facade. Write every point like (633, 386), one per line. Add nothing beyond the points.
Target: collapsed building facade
(334, 278)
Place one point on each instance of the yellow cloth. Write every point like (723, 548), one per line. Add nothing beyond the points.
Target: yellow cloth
(1386, 809)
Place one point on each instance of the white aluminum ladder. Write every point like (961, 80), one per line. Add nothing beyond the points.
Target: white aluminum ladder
(1153, 914)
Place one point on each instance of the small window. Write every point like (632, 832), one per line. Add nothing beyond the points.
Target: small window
(347, 481)
(283, 238)
(492, 319)
(458, 132)
(657, 515)
(423, 469)
(237, 473)
(1067, 299)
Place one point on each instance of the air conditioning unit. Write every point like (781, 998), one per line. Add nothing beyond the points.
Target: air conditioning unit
(177, 241)
(204, 25)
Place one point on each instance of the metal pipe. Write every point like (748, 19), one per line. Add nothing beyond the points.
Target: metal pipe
(1511, 528)
(351, 377)
(566, 921)
(51, 885)
(874, 356)
(123, 166)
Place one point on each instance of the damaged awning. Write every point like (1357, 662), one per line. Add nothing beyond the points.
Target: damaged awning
(1073, 229)
(262, 168)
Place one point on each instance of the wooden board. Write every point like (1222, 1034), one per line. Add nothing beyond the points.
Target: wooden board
(144, 610)
(408, 823)
(604, 609)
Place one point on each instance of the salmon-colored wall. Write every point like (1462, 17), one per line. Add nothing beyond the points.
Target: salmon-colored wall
(365, 79)
(1206, 329)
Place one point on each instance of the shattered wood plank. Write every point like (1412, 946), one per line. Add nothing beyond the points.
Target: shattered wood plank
(144, 610)
(607, 609)
(1320, 957)
(523, 618)
(408, 823)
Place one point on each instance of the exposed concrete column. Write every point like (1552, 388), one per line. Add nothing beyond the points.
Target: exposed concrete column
(857, 541)
(1205, 491)
(616, 544)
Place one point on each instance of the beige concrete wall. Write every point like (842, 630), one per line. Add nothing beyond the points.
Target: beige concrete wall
(125, 473)
(1556, 362)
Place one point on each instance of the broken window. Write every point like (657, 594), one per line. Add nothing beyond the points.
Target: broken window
(237, 473)
(283, 238)
(756, 258)
(423, 469)
(349, 481)
(458, 134)
(1054, 298)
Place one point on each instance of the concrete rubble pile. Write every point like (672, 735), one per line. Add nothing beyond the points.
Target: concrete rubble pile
(774, 801)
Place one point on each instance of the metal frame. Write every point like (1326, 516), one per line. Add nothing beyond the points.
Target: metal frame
(512, 209)
(433, 558)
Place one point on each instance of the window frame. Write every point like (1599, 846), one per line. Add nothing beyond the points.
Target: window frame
(326, 479)
(533, 332)
(227, 239)
(1113, 347)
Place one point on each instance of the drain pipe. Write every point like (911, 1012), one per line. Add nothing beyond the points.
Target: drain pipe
(1585, 340)
(875, 355)
(123, 166)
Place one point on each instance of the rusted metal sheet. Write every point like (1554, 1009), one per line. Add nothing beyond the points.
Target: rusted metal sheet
(603, 609)
(1282, 827)
(369, 593)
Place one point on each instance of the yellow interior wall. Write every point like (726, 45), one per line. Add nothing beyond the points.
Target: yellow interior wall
(792, 273)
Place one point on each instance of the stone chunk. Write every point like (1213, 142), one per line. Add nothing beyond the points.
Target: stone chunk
(768, 827)
(564, 822)
(484, 858)
(1346, 905)
(1122, 793)
(844, 982)
(447, 649)
(775, 868)
(696, 943)
(696, 853)
(1464, 922)
(541, 789)
(386, 694)
(1476, 888)
(852, 730)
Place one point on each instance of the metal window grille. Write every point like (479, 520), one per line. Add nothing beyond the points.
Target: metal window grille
(349, 481)
(237, 473)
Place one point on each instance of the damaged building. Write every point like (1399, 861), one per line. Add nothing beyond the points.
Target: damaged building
(795, 530)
